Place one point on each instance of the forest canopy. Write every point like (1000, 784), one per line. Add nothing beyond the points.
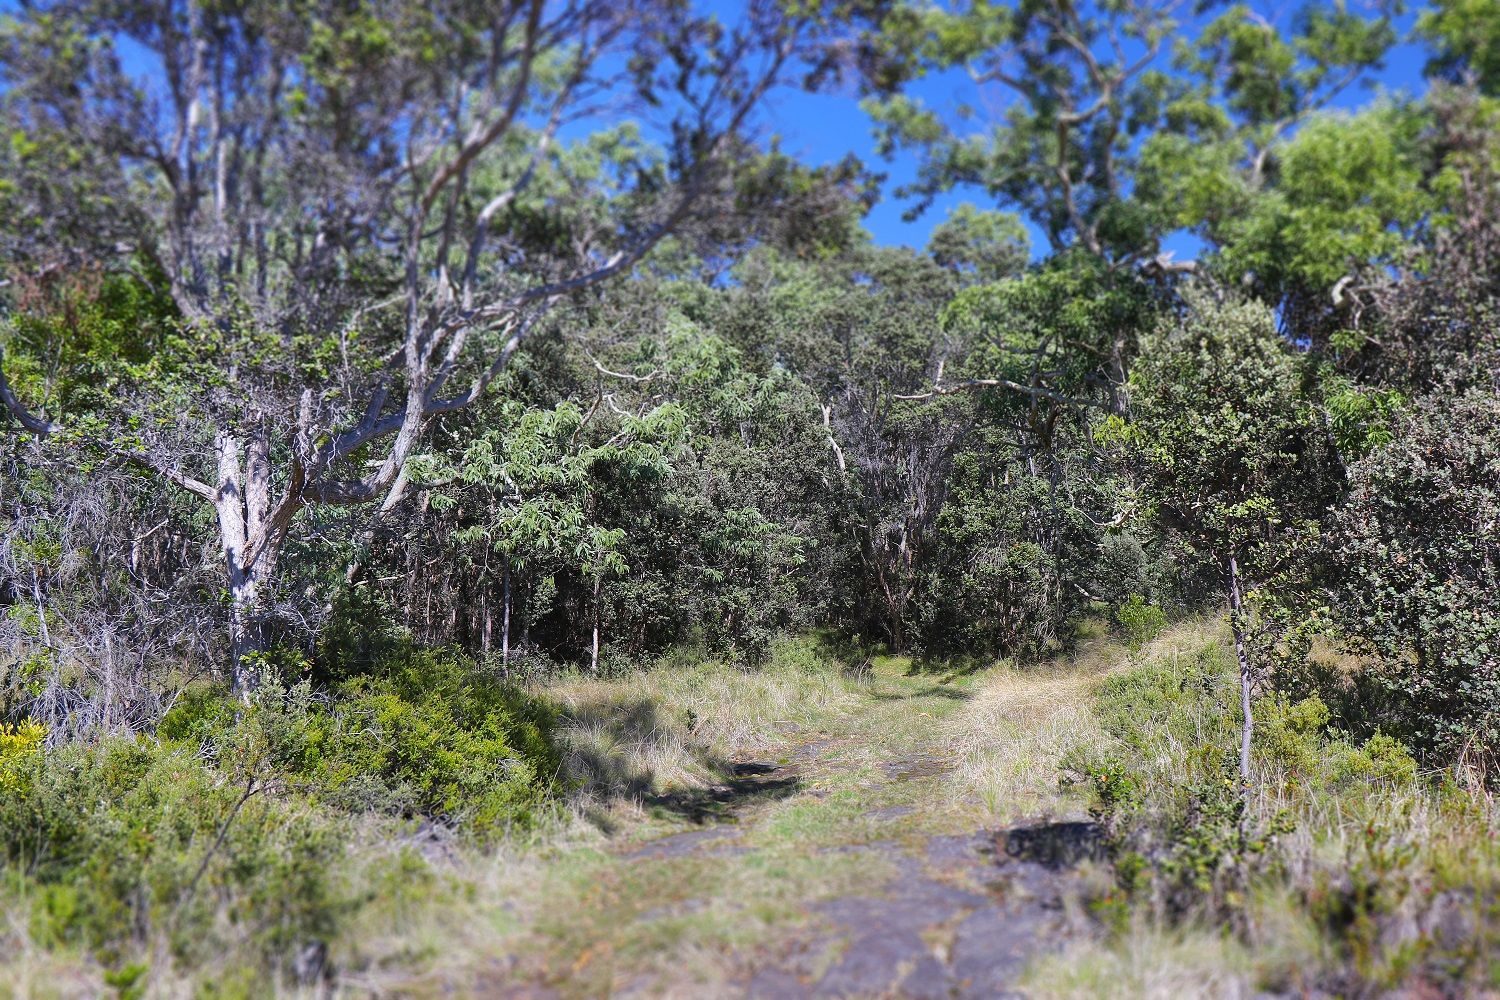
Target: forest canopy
(366, 365)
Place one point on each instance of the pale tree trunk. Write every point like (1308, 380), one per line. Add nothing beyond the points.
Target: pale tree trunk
(1237, 625)
(488, 628)
(505, 619)
(594, 657)
(107, 723)
(251, 533)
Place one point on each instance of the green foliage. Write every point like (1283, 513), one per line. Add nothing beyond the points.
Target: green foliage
(1231, 456)
(663, 519)
(1139, 620)
(1466, 36)
(1348, 193)
(1414, 573)
(1166, 792)
(1097, 114)
(1360, 418)
(426, 733)
(771, 426)
(983, 246)
(128, 842)
(414, 731)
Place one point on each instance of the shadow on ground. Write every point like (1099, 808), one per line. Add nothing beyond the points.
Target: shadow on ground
(934, 691)
(748, 784)
(614, 749)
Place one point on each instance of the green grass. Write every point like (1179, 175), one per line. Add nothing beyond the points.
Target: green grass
(1360, 875)
(570, 904)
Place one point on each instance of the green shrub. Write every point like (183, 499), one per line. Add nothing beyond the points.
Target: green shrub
(1179, 702)
(1380, 758)
(1413, 557)
(217, 838)
(131, 841)
(426, 732)
(197, 714)
(1139, 621)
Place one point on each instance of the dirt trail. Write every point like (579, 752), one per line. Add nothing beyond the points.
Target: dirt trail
(856, 858)
(959, 918)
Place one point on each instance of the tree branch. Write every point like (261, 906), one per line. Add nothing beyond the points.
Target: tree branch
(968, 385)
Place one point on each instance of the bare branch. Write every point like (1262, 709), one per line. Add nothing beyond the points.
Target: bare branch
(33, 423)
(969, 385)
(626, 376)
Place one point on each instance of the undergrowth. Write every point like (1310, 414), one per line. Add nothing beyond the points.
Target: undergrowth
(1345, 869)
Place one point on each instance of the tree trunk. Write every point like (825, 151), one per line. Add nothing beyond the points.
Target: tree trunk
(1237, 625)
(488, 628)
(247, 637)
(251, 533)
(505, 619)
(594, 657)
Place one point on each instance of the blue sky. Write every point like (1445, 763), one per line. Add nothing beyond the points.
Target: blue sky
(823, 128)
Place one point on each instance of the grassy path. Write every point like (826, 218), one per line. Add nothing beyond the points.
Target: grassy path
(790, 832)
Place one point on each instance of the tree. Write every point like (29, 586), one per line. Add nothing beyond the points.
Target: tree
(1228, 454)
(1341, 197)
(1428, 317)
(1086, 106)
(360, 212)
(1466, 35)
(640, 443)
(859, 332)
(1413, 572)
(982, 247)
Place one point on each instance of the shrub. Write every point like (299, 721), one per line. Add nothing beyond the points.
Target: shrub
(131, 841)
(1397, 876)
(416, 731)
(1414, 565)
(1139, 620)
(1295, 739)
(17, 741)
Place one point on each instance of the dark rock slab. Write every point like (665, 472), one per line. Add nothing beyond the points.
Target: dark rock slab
(874, 964)
(890, 813)
(991, 932)
(929, 979)
(776, 984)
(681, 844)
(990, 949)
(914, 768)
(812, 750)
(961, 851)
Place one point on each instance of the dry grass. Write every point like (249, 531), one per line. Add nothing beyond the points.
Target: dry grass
(569, 904)
(678, 725)
(1154, 966)
(1010, 739)
(27, 971)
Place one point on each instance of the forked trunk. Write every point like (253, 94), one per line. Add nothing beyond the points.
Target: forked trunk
(251, 532)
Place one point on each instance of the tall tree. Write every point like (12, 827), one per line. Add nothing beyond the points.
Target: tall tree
(359, 211)
(1066, 99)
(1229, 455)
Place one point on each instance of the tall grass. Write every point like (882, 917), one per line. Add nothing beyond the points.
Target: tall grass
(1352, 872)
